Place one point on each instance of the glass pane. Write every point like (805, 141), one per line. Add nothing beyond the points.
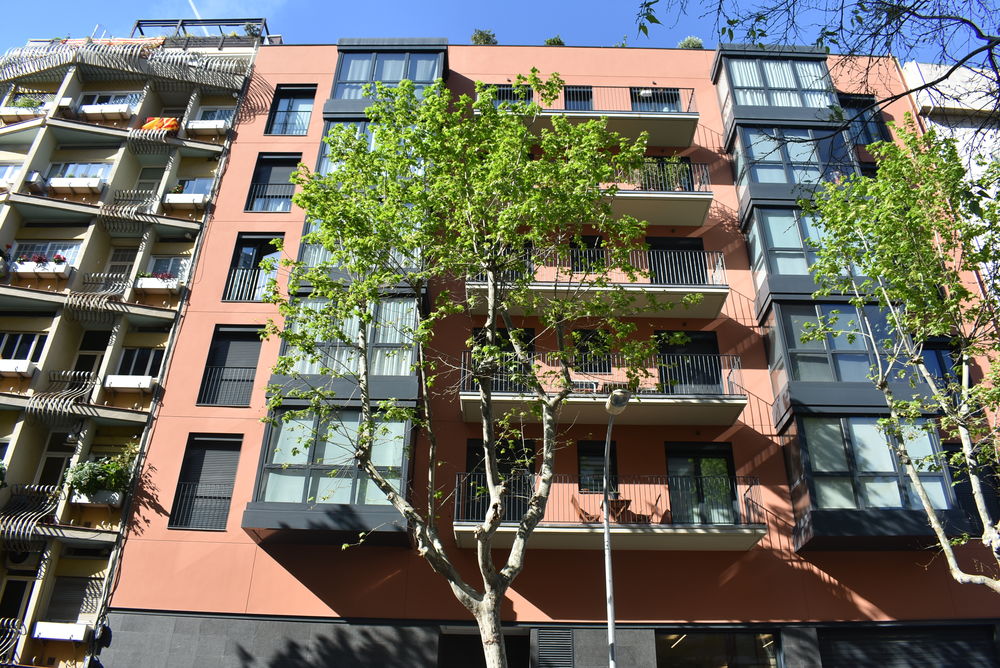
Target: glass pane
(778, 73)
(811, 368)
(763, 145)
(870, 448)
(811, 74)
(332, 486)
(396, 318)
(825, 443)
(745, 73)
(852, 368)
(796, 319)
(284, 486)
(789, 264)
(800, 146)
(350, 91)
(355, 66)
(389, 442)
(847, 322)
(919, 445)
(782, 230)
(294, 438)
(422, 67)
(881, 493)
(389, 66)
(339, 443)
(834, 493)
(769, 174)
(935, 488)
(369, 493)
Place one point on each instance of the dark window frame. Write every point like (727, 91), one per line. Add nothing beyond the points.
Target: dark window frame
(290, 122)
(342, 83)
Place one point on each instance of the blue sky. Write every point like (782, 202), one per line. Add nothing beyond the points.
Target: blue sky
(579, 22)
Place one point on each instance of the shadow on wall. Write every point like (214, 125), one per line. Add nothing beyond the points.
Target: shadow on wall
(346, 645)
(145, 502)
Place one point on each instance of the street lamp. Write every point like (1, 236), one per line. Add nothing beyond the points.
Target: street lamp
(616, 403)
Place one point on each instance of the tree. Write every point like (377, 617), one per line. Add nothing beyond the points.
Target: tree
(555, 41)
(483, 38)
(451, 191)
(691, 42)
(911, 240)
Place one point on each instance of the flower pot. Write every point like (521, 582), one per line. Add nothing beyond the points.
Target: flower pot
(42, 269)
(159, 286)
(101, 497)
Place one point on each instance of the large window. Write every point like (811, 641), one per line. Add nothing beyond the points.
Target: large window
(231, 366)
(790, 155)
(840, 356)
(22, 345)
(79, 170)
(272, 189)
(247, 280)
(765, 82)
(590, 458)
(310, 461)
(390, 342)
(865, 118)
(141, 362)
(360, 68)
(325, 165)
(130, 98)
(291, 110)
(852, 465)
(29, 249)
(777, 241)
(715, 649)
(205, 486)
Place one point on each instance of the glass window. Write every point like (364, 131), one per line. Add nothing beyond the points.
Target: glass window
(47, 249)
(174, 265)
(22, 345)
(130, 98)
(326, 165)
(853, 466)
(865, 118)
(780, 82)
(314, 463)
(79, 170)
(590, 459)
(291, 110)
(842, 355)
(9, 171)
(359, 69)
(216, 113)
(716, 649)
(140, 362)
(787, 155)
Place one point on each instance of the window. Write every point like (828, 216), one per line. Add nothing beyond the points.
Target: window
(852, 465)
(659, 100)
(9, 171)
(701, 485)
(325, 165)
(205, 485)
(79, 170)
(175, 265)
(865, 118)
(140, 362)
(579, 98)
(390, 347)
(75, 599)
(47, 249)
(247, 282)
(271, 189)
(790, 155)
(216, 113)
(313, 255)
(291, 110)
(22, 345)
(511, 94)
(731, 649)
(780, 83)
(837, 356)
(360, 68)
(201, 185)
(590, 459)
(231, 366)
(777, 242)
(313, 462)
(128, 97)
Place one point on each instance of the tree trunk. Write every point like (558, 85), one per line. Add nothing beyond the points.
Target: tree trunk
(488, 617)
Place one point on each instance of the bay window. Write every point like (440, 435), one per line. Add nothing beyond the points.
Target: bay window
(774, 82)
(358, 69)
(790, 155)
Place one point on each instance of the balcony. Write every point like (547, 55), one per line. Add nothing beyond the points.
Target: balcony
(664, 193)
(289, 123)
(667, 279)
(673, 389)
(647, 512)
(270, 197)
(128, 383)
(667, 114)
(26, 107)
(246, 285)
(226, 386)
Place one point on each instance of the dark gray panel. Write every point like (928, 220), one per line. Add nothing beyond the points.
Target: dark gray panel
(948, 647)
(800, 647)
(174, 641)
(635, 647)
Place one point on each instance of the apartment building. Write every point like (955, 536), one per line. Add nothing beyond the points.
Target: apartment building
(110, 154)
(760, 518)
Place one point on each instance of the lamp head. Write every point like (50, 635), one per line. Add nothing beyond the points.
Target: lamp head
(617, 401)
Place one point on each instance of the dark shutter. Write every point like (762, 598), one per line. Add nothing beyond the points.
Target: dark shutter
(74, 597)
(555, 648)
(205, 487)
(231, 366)
(941, 647)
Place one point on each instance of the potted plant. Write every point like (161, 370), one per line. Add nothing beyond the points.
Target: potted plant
(41, 266)
(159, 282)
(27, 102)
(102, 481)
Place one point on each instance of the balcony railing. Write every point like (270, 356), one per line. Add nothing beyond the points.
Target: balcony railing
(609, 99)
(246, 285)
(274, 197)
(655, 176)
(227, 386)
(289, 123)
(200, 505)
(656, 267)
(11, 630)
(667, 374)
(28, 506)
(636, 500)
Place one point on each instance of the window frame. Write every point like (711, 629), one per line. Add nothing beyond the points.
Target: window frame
(35, 348)
(793, 170)
(288, 95)
(772, 94)
(134, 97)
(869, 127)
(765, 253)
(67, 248)
(792, 344)
(153, 361)
(341, 83)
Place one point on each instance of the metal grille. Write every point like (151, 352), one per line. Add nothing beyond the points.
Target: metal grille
(555, 648)
(11, 631)
(199, 505)
(246, 285)
(662, 176)
(66, 390)
(29, 505)
(227, 386)
(276, 197)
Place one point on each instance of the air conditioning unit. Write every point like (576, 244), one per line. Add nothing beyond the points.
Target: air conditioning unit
(34, 182)
(23, 561)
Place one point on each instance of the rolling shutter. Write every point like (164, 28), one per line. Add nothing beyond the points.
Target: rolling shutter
(941, 647)
(205, 487)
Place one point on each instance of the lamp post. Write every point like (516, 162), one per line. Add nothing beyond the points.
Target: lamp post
(615, 404)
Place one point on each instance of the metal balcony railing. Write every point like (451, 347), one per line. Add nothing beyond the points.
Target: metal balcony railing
(246, 285)
(656, 176)
(11, 630)
(666, 375)
(29, 505)
(199, 505)
(66, 389)
(276, 197)
(609, 99)
(289, 123)
(688, 268)
(636, 500)
(227, 386)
